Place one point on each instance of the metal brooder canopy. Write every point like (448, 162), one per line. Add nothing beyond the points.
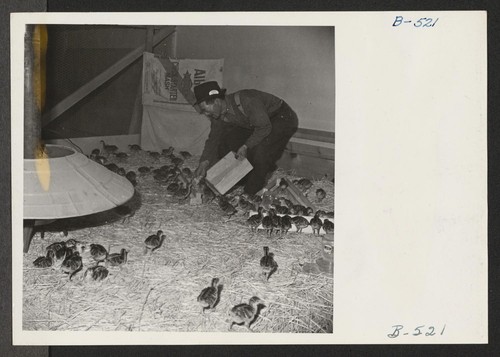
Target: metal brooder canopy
(68, 184)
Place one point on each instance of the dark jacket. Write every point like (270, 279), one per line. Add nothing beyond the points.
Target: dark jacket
(257, 107)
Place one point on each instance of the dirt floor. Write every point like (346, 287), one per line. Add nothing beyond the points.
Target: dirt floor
(158, 291)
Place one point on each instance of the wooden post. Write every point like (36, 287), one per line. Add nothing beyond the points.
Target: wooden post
(136, 120)
(28, 229)
(32, 112)
(32, 117)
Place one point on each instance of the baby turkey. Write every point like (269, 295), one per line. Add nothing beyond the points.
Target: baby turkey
(168, 152)
(309, 211)
(207, 195)
(321, 213)
(245, 313)
(121, 155)
(283, 184)
(154, 241)
(227, 207)
(96, 273)
(154, 154)
(268, 222)
(268, 264)
(60, 256)
(112, 167)
(100, 159)
(72, 264)
(98, 253)
(160, 175)
(173, 187)
(60, 251)
(208, 296)
(280, 209)
(121, 171)
(144, 170)
(176, 161)
(300, 223)
(186, 154)
(285, 224)
(78, 247)
(183, 192)
(316, 224)
(255, 199)
(116, 259)
(276, 223)
(244, 204)
(303, 184)
(131, 176)
(108, 149)
(255, 220)
(286, 203)
(134, 147)
(328, 226)
(320, 194)
(46, 261)
(186, 171)
(55, 246)
(298, 209)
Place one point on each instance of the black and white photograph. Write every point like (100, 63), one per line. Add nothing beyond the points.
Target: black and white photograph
(179, 178)
(249, 178)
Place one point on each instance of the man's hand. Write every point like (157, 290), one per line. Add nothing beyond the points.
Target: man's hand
(241, 153)
(201, 170)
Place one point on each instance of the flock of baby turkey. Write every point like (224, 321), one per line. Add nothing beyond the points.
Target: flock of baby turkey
(177, 179)
(244, 313)
(67, 256)
(273, 215)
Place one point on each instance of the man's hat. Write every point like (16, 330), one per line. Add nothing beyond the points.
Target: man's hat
(208, 90)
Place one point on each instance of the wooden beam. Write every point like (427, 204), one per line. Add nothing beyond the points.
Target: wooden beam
(102, 78)
(321, 152)
(297, 194)
(307, 166)
(316, 135)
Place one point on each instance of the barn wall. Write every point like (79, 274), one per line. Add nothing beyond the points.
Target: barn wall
(75, 55)
(295, 63)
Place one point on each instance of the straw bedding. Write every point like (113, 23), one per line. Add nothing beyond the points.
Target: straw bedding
(158, 291)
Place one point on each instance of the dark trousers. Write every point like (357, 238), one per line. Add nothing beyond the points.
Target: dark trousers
(264, 155)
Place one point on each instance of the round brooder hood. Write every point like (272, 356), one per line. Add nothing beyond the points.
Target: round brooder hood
(68, 184)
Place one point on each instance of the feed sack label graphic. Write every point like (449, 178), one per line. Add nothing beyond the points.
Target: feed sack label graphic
(164, 87)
